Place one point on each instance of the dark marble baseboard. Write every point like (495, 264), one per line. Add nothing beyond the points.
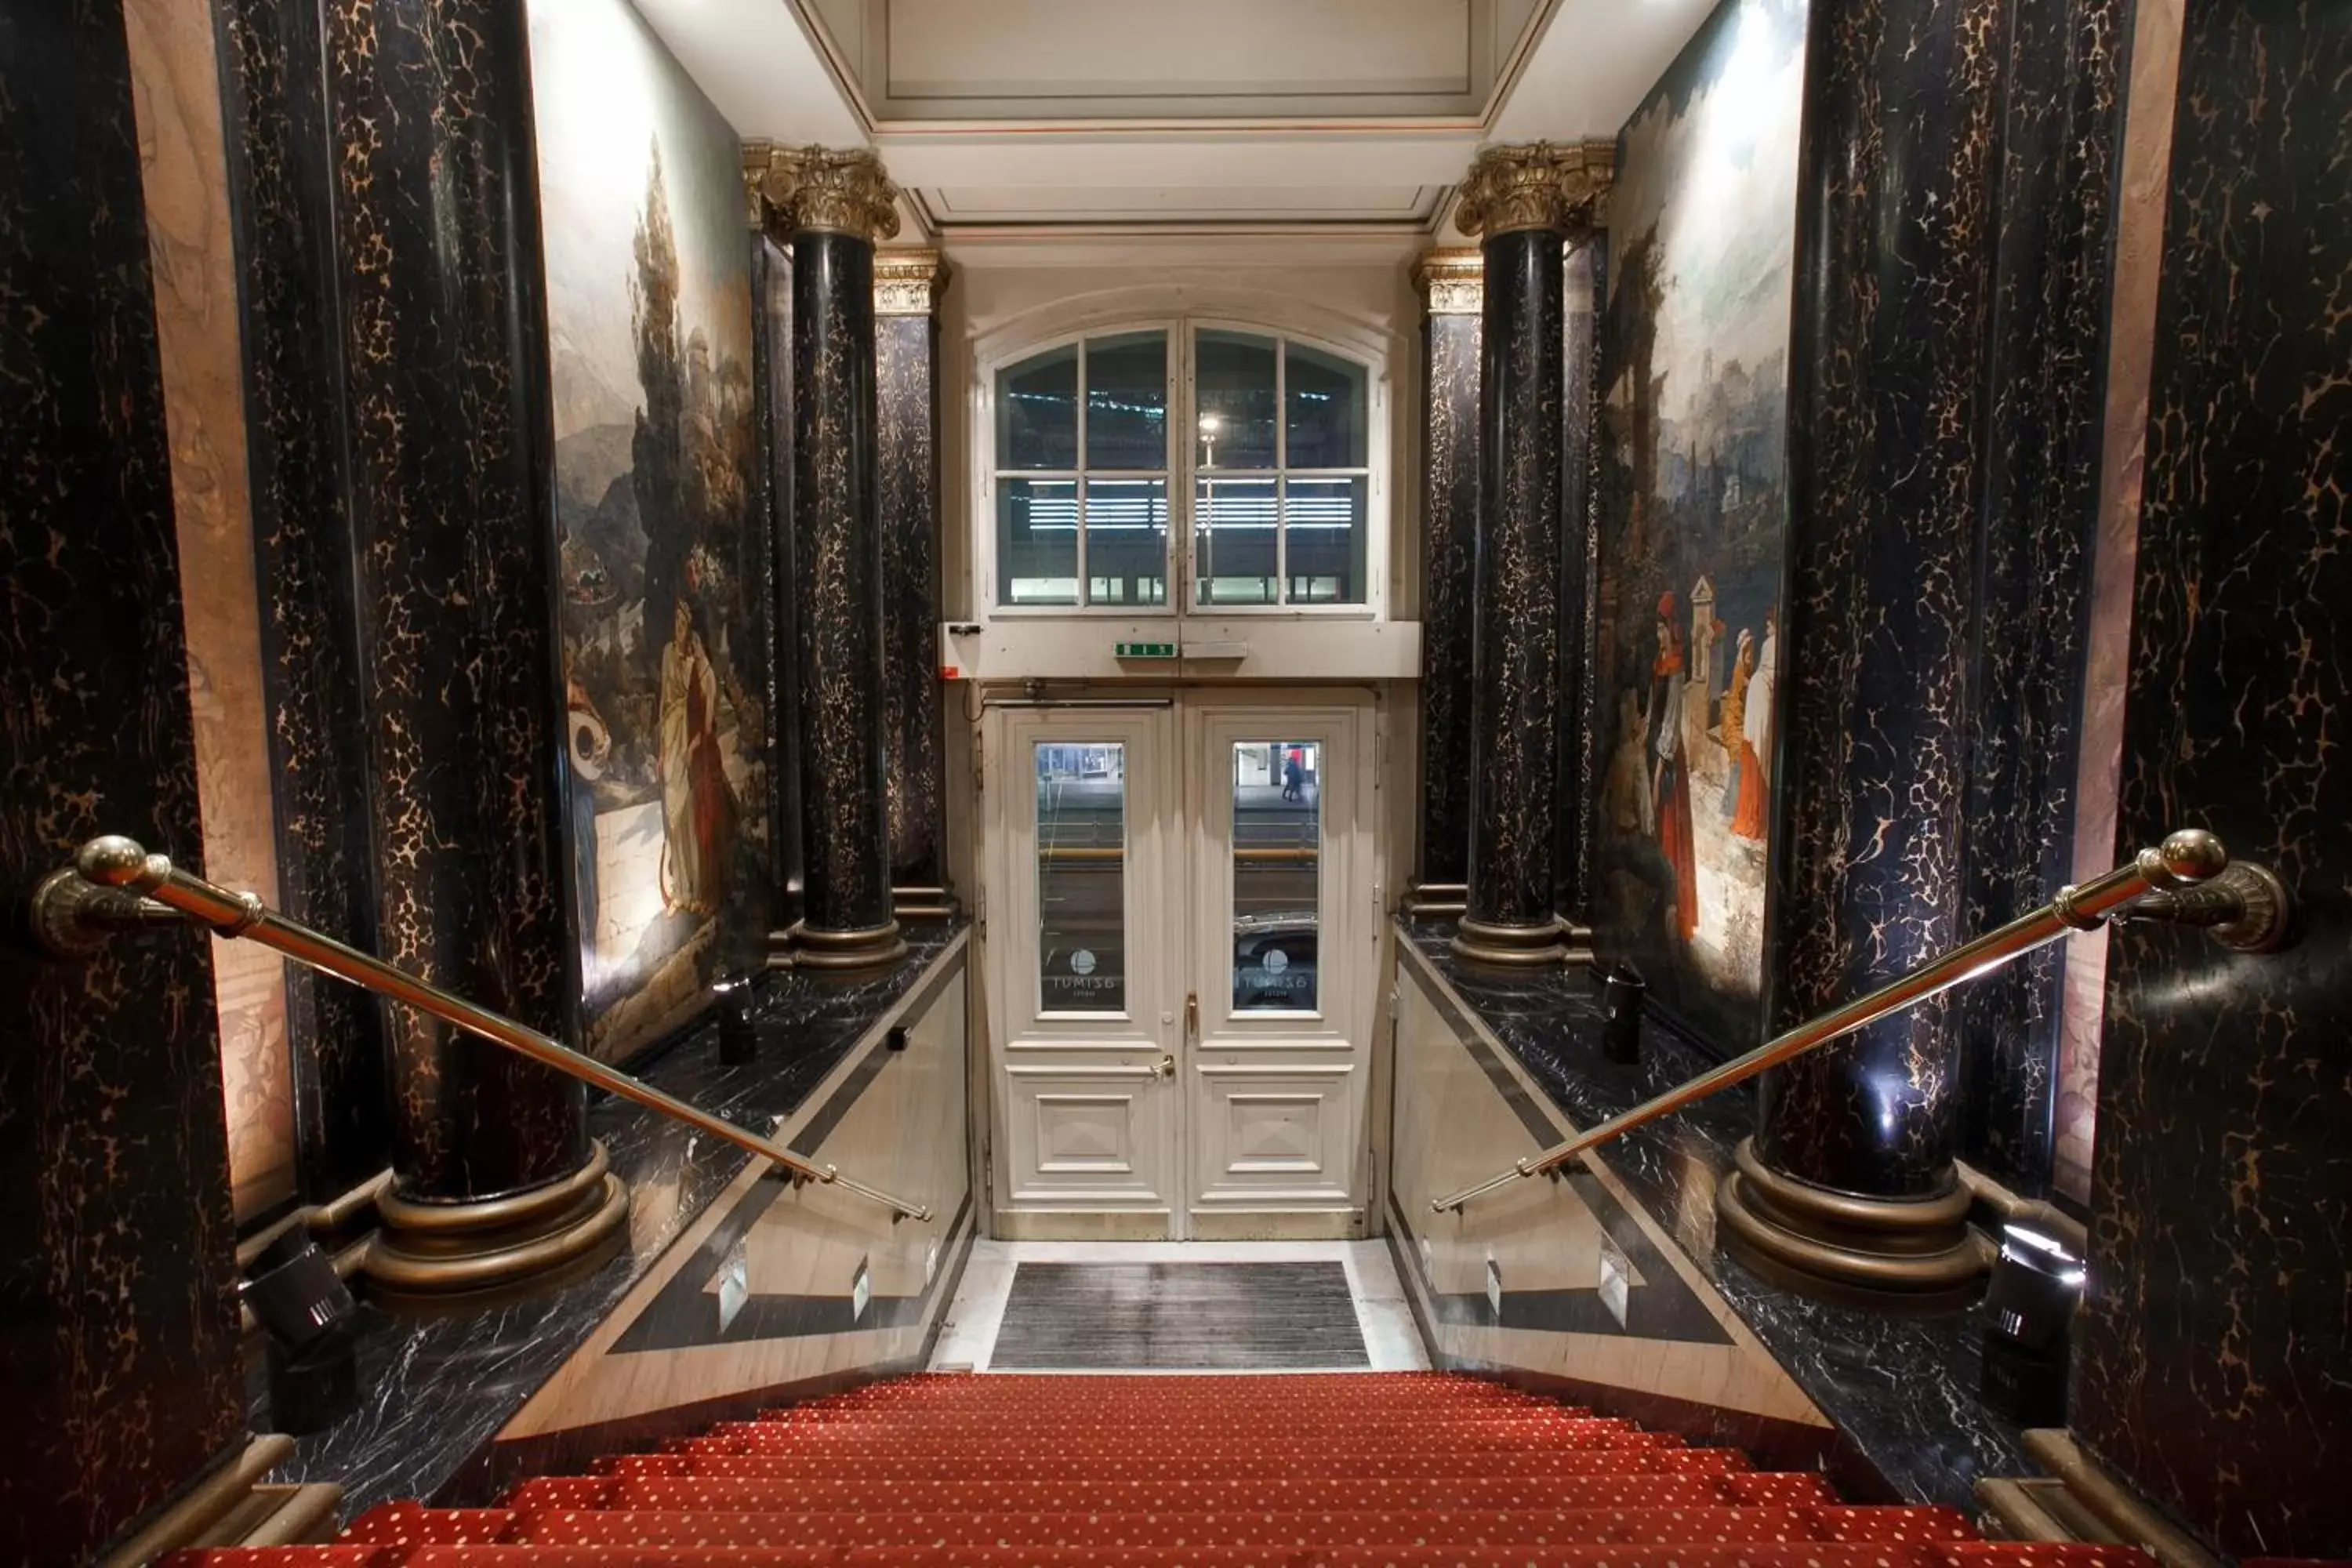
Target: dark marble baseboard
(1903, 1390)
(437, 1388)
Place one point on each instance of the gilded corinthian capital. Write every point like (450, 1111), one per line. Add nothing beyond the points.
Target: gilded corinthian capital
(792, 189)
(1536, 185)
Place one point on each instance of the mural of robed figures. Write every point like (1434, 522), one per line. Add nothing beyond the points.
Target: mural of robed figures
(649, 315)
(1692, 498)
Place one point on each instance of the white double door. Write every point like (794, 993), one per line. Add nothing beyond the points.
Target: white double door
(1181, 915)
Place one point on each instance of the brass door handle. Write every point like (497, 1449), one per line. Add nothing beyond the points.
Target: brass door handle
(1167, 1065)
(1192, 1015)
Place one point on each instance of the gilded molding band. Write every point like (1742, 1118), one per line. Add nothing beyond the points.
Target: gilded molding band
(1452, 282)
(791, 190)
(907, 282)
(1537, 185)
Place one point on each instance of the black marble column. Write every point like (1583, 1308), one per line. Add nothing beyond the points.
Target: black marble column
(1528, 642)
(1898, 168)
(834, 205)
(440, 281)
(2211, 1362)
(120, 1353)
(1449, 548)
(914, 744)
(2045, 377)
(274, 102)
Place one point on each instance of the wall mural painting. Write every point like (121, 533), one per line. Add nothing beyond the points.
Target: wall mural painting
(1694, 515)
(649, 318)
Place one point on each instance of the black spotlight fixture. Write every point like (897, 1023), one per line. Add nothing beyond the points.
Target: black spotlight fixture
(739, 1042)
(307, 1312)
(2036, 1286)
(1622, 992)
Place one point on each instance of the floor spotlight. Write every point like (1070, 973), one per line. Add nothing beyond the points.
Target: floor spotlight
(307, 1312)
(2036, 1286)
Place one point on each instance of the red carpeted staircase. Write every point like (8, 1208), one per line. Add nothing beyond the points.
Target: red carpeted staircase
(1355, 1470)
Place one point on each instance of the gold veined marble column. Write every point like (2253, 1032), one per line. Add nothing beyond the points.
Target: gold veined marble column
(835, 204)
(1527, 205)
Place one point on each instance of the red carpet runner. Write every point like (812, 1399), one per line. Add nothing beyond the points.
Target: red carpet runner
(1357, 1470)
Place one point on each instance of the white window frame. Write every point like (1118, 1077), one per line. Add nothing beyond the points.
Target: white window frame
(1182, 471)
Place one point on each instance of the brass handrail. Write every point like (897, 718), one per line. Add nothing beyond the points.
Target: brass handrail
(112, 867)
(2186, 859)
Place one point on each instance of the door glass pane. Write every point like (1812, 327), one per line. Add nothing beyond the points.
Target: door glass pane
(1323, 540)
(1233, 374)
(1126, 400)
(1038, 542)
(1277, 879)
(1233, 544)
(1326, 412)
(1037, 411)
(1126, 541)
(1081, 876)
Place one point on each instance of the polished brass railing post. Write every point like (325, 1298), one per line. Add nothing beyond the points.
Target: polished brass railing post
(113, 866)
(2190, 859)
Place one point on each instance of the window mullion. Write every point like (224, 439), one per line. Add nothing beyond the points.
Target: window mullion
(1281, 476)
(1085, 584)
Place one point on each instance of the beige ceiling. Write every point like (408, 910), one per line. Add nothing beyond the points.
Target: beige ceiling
(1042, 116)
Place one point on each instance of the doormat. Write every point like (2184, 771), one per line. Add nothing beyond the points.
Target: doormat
(1178, 1317)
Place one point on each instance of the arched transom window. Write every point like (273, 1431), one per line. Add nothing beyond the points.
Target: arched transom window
(1235, 462)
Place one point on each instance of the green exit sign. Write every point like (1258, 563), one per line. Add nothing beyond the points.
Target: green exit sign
(1144, 649)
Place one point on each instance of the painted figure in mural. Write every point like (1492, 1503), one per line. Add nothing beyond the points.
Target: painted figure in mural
(1670, 801)
(1625, 791)
(1733, 728)
(1756, 736)
(591, 743)
(697, 806)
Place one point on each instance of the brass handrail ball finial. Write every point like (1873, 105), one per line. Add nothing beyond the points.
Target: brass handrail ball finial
(2192, 855)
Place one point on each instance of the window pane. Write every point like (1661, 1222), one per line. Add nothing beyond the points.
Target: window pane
(1277, 885)
(1126, 541)
(1326, 402)
(1235, 375)
(1126, 400)
(1323, 528)
(1082, 877)
(1037, 411)
(1038, 542)
(1232, 541)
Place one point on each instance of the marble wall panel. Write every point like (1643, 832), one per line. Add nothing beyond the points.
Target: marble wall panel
(176, 83)
(1691, 519)
(2209, 1366)
(772, 358)
(1449, 546)
(2046, 376)
(297, 465)
(1894, 214)
(1587, 284)
(907, 392)
(452, 499)
(116, 1232)
(2146, 159)
(662, 521)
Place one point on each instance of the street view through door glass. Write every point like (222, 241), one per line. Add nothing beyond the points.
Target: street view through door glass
(1277, 881)
(1081, 878)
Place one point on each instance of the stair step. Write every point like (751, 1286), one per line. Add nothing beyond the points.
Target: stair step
(1802, 1554)
(837, 1493)
(1699, 1526)
(1176, 1469)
